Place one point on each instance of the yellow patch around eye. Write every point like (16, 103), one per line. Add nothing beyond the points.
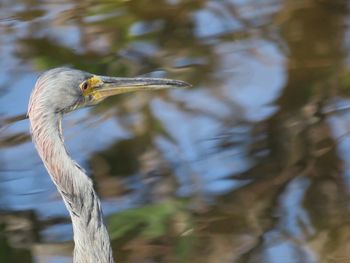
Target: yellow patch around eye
(94, 81)
(88, 85)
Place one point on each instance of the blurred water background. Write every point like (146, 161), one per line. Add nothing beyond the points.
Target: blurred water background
(250, 165)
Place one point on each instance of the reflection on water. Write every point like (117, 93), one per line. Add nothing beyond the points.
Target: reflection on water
(250, 165)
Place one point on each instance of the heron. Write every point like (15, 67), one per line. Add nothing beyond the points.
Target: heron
(57, 92)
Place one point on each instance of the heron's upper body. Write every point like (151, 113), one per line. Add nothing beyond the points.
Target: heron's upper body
(58, 91)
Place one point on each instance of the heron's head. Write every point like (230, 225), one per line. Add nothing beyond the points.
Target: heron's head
(65, 89)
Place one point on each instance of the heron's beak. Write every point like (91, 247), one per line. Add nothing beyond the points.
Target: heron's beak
(110, 86)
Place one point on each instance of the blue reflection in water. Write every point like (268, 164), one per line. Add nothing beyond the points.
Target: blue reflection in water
(339, 120)
(252, 92)
(294, 216)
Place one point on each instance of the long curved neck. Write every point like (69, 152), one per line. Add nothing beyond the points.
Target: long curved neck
(91, 238)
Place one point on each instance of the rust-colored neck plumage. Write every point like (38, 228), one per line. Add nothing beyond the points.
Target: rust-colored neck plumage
(90, 235)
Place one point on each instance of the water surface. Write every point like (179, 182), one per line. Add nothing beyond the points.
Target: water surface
(252, 164)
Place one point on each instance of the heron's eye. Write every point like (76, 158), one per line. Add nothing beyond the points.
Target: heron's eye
(84, 86)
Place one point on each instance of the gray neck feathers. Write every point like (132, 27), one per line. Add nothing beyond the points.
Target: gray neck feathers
(91, 238)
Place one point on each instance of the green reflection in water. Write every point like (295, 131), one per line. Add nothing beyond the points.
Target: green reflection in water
(10, 254)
